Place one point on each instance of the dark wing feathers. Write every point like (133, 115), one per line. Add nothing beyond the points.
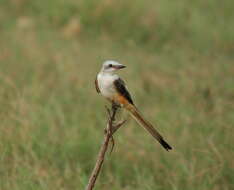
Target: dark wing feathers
(121, 88)
(96, 85)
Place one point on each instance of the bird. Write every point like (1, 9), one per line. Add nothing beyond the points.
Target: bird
(114, 89)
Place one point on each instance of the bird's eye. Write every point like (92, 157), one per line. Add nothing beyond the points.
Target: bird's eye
(110, 65)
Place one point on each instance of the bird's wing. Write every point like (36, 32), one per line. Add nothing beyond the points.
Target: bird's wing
(96, 85)
(122, 90)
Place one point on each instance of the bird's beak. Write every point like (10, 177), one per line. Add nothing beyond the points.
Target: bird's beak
(120, 66)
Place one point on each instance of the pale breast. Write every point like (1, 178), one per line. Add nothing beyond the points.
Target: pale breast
(106, 86)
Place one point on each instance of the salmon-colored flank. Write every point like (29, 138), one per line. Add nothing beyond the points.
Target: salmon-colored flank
(121, 99)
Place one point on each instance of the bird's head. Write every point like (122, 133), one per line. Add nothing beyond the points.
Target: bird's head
(111, 66)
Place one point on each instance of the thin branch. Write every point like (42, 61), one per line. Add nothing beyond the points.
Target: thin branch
(117, 126)
(108, 135)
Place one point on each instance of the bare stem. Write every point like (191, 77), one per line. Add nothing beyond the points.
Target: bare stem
(108, 135)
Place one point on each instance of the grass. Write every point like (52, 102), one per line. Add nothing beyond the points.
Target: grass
(179, 59)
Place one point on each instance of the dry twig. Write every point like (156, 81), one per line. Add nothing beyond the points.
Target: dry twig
(110, 129)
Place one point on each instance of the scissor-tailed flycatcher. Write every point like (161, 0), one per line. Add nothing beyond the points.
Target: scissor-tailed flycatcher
(112, 87)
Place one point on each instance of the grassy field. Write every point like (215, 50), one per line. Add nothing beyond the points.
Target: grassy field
(180, 71)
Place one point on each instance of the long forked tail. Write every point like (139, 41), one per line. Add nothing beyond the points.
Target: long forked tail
(148, 126)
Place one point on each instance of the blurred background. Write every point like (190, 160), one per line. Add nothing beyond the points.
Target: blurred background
(180, 71)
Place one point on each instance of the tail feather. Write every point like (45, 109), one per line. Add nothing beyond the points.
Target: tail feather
(148, 126)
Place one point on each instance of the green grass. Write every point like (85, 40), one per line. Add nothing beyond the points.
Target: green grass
(179, 58)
